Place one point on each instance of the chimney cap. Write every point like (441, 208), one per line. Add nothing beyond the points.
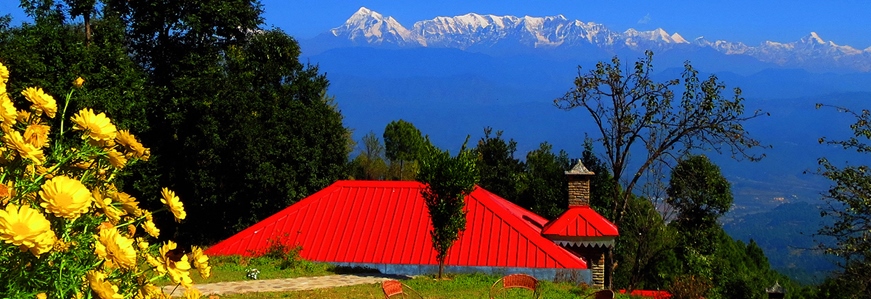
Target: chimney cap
(579, 169)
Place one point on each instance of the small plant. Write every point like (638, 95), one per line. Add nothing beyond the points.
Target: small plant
(252, 274)
(280, 249)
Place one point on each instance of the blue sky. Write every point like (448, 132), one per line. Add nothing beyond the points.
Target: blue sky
(846, 22)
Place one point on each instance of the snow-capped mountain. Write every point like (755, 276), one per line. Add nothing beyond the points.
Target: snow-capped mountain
(481, 32)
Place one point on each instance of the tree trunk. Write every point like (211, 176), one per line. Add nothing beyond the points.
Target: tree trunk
(441, 268)
(87, 17)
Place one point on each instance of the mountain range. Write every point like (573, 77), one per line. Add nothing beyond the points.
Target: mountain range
(559, 36)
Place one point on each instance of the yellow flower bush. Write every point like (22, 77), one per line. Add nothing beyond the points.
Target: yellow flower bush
(66, 230)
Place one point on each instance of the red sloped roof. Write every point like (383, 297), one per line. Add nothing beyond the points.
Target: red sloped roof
(386, 222)
(581, 221)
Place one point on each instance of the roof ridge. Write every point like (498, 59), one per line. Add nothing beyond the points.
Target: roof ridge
(546, 246)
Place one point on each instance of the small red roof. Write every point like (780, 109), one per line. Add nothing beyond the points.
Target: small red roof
(387, 222)
(579, 222)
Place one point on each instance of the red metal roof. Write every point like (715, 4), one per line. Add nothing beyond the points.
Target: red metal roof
(387, 222)
(580, 221)
(649, 294)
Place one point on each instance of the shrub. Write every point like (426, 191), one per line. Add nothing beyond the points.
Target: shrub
(66, 230)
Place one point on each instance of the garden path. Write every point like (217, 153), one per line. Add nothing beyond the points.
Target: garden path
(281, 285)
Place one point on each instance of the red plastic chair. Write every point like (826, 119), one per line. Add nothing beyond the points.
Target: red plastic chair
(395, 288)
(522, 281)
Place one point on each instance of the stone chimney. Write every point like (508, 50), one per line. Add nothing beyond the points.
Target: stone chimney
(579, 185)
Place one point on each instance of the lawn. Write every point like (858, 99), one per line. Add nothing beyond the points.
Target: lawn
(456, 287)
(235, 268)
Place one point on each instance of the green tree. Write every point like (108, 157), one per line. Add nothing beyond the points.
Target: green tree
(545, 188)
(634, 111)
(237, 125)
(402, 142)
(499, 171)
(700, 195)
(265, 138)
(849, 206)
(369, 163)
(448, 181)
(645, 248)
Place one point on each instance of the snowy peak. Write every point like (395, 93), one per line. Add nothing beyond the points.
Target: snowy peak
(483, 33)
(370, 27)
(813, 38)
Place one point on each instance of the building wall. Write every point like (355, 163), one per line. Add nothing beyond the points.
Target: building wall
(582, 275)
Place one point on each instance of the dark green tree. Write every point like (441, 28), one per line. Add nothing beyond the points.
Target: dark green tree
(499, 171)
(645, 249)
(634, 111)
(265, 138)
(448, 181)
(700, 195)
(402, 142)
(545, 188)
(237, 125)
(369, 163)
(848, 204)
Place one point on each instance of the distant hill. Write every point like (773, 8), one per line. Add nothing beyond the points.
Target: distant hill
(786, 235)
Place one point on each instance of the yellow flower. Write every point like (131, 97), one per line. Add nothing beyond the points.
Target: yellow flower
(129, 141)
(150, 291)
(103, 288)
(201, 262)
(15, 141)
(142, 244)
(116, 158)
(4, 73)
(22, 116)
(41, 296)
(128, 203)
(36, 135)
(98, 126)
(65, 197)
(116, 249)
(26, 228)
(177, 270)
(42, 103)
(158, 265)
(78, 82)
(173, 203)
(149, 227)
(8, 115)
(7, 192)
(105, 204)
(190, 293)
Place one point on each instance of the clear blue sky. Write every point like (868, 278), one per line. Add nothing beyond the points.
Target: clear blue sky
(846, 22)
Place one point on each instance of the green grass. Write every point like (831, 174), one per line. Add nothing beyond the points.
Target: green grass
(456, 287)
(235, 268)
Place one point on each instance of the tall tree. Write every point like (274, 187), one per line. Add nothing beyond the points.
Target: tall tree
(369, 163)
(700, 194)
(402, 142)
(448, 181)
(545, 188)
(632, 111)
(849, 206)
(237, 125)
(499, 170)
